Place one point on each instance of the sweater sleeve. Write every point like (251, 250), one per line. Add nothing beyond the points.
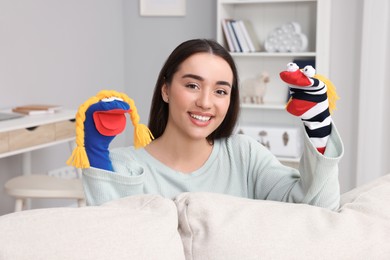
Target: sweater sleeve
(315, 183)
(101, 186)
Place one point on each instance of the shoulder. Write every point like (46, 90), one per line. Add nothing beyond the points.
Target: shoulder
(125, 153)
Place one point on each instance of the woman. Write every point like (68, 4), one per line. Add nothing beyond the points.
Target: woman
(194, 111)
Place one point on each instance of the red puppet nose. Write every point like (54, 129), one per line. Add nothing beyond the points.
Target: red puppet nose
(296, 78)
(110, 123)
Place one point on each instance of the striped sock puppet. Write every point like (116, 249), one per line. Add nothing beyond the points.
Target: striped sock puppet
(313, 99)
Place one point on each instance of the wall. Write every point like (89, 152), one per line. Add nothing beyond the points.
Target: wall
(372, 150)
(359, 55)
(59, 52)
(345, 47)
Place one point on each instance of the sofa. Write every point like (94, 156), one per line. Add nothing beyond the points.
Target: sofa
(204, 226)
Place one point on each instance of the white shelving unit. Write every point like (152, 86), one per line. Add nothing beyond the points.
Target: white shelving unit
(262, 17)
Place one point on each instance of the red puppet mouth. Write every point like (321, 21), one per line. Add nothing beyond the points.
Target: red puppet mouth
(296, 78)
(110, 123)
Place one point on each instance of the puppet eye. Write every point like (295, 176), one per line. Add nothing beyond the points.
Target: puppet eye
(291, 66)
(309, 71)
(110, 99)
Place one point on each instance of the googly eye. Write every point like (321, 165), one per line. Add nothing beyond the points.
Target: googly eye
(291, 66)
(110, 99)
(309, 71)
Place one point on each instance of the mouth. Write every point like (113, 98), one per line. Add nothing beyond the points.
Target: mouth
(110, 123)
(296, 78)
(200, 117)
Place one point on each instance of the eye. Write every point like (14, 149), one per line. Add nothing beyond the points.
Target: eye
(291, 66)
(110, 99)
(222, 92)
(192, 86)
(309, 71)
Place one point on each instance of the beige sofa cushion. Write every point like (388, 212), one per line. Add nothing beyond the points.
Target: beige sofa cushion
(215, 226)
(139, 227)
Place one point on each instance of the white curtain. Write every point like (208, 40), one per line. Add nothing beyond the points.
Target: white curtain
(373, 148)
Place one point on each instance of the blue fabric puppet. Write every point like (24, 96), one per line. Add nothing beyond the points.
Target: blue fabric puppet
(98, 121)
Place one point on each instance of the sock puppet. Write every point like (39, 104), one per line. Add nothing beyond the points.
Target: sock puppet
(312, 99)
(98, 121)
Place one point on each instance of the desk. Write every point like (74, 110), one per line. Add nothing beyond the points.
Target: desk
(29, 133)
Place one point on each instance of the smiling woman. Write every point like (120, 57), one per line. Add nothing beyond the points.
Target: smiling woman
(194, 110)
(196, 94)
(209, 56)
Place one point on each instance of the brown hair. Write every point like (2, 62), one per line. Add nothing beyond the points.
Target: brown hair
(158, 118)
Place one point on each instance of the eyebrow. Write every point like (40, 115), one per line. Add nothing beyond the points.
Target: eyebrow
(197, 77)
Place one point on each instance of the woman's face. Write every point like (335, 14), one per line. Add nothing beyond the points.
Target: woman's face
(199, 95)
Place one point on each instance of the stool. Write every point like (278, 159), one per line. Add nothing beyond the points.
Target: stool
(37, 186)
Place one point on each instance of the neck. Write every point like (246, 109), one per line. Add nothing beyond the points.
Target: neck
(181, 155)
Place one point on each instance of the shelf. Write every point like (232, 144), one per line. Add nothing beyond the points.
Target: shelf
(34, 120)
(273, 54)
(262, 1)
(264, 106)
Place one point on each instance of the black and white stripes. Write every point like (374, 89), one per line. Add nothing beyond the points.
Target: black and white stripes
(309, 101)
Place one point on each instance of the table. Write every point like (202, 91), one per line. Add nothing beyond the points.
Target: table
(32, 132)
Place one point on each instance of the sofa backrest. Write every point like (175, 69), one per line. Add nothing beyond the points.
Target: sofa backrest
(141, 227)
(204, 226)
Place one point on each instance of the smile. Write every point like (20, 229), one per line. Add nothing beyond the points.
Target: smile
(200, 118)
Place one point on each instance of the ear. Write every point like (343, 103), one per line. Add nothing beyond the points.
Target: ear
(164, 93)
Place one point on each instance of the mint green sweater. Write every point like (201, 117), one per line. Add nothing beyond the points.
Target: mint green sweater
(237, 166)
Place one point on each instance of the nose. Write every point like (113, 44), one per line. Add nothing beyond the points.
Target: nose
(204, 100)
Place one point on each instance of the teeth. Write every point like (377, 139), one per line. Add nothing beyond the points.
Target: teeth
(201, 118)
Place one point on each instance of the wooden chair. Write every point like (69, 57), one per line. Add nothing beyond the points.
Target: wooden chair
(38, 186)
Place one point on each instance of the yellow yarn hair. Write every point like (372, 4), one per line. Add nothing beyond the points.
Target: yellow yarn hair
(331, 92)
(142, 134)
